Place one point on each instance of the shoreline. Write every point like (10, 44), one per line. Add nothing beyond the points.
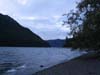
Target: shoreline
(87, 64)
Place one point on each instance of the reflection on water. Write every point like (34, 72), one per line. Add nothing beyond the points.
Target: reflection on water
(25, 61)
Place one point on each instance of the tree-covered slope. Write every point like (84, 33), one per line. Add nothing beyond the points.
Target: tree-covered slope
(56, 43)
(13, 34)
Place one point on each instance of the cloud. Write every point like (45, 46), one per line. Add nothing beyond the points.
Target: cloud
(41, 20)
(33, 17)
(22, 2)
(50, 33)
(48, 27)
(41, 16)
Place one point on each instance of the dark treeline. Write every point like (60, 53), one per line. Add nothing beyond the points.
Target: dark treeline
(85, 25)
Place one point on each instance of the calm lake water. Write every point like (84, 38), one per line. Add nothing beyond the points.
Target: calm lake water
(26, 61)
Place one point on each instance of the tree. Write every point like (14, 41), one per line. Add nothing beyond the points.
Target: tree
(85, 24)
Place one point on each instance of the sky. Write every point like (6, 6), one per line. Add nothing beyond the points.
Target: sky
(43, 17)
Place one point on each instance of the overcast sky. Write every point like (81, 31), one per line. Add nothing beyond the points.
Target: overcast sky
(43, 17)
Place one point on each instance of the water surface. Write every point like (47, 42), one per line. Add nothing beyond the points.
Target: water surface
(28, 60)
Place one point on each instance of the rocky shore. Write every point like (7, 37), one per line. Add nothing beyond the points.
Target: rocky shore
(88, 64)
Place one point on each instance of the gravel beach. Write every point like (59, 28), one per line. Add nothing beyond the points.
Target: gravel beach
(84, 65)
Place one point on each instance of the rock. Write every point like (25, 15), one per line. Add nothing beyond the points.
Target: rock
(41, 66)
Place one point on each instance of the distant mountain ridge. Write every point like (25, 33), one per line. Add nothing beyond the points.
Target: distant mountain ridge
(56, 43)
(13, 34)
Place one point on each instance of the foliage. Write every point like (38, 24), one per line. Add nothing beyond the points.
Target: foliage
(85, 24)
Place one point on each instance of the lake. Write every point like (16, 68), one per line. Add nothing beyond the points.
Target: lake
(28, 60)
